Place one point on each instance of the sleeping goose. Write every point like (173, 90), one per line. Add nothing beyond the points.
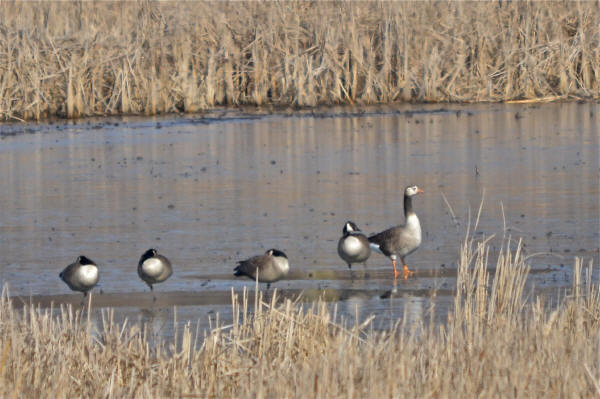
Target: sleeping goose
(353, 247)
(270, 267)
(154, 268)
(82, 275)
(400, 241)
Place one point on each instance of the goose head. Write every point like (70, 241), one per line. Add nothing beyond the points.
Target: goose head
(151, 253)
(412, 190)
(83, 260)
(276, 253)
(350, 227)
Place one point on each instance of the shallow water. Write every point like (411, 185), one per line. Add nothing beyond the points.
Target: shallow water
(209, 191)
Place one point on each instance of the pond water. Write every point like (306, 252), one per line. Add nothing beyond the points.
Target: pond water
(208, 191)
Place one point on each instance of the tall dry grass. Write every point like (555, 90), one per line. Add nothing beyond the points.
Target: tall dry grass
(495, 343)
(96, 58)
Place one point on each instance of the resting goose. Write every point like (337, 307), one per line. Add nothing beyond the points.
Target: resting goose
(270, 267)
(402, 240)
(82, 275)
(353, 247)
(154, 268)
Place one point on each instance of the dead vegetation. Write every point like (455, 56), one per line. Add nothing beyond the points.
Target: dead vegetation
(495, 343)
(72, 59)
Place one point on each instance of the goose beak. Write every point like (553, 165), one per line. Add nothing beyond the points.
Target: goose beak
(420, 191)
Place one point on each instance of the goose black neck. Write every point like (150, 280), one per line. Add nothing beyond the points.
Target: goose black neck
(408, 209)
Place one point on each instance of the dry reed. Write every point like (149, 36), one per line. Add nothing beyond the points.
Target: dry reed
(495, 343)
(73, 59)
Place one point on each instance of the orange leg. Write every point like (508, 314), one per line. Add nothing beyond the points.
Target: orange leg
(407, 272)
(396, 272)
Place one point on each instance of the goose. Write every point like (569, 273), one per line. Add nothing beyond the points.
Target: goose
(353, 246)
(270, 267)
(400, 241)
(154, 268)
(81, 275)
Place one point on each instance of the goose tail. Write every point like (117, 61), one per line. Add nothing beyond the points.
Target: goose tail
(238, 270)
(375, 247)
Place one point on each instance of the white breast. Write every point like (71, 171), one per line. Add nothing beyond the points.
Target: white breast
(282, 264)
(88, 274)
(351, 245)
(413, 227)
(152, 267)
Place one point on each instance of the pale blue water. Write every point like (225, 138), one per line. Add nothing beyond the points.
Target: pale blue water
(208, 192)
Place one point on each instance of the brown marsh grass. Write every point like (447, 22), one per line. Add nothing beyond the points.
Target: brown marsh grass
(73, 59)
(495, 343)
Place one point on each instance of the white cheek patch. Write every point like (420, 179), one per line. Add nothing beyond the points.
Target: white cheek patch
(152, 267)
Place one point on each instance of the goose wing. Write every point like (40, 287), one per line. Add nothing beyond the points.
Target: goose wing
(249, 266)
(384, 241)
(68, 272)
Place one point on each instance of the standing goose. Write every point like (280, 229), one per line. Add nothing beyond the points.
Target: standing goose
(353, 246)
(154, 268)
(400, 241)
(82, 275)
(270, 267)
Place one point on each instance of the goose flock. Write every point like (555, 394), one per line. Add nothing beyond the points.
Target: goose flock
(353, 247)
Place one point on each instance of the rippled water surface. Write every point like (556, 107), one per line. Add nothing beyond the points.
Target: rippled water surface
(209, 191)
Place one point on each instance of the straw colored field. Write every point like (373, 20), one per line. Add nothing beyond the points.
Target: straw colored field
(494, 344)
(78, 58)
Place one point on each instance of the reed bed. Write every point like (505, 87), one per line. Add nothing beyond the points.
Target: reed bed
(495, 343)
(72, 59)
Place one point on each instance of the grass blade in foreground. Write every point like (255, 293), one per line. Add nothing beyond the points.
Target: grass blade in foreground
(495, 344)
